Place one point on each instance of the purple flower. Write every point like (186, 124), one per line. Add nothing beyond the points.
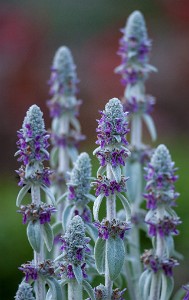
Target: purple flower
(160, 177)
(132, 105)
(112, 127)
(164, 227)
(186, 288)
(116, 157)
(155, 263)
(112, 228)
(85, 215)
(33, 138)
(30, 271)
(34, 212)
(109, 187)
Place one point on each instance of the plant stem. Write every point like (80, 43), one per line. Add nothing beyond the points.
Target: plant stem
(38, 257)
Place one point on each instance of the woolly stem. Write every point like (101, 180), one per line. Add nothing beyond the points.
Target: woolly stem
(38, 257)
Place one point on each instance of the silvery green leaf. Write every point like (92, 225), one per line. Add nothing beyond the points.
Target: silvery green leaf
(62, 197)
(57, 228)
(22, 193)
(151, 68)
(96, 206)
(55, 124)
(34, 235)
(90, 197)
(116, 171)
(67, 216)
(117, 137)
(150, 125)
(48, 193)
(126, 206)
(64, 281)
(167, 287)
(101, 170)
(118, 281)
(143, 279)
(92, 231)
(115, 252)
(99, 253)
(48, 295)
(134, 172)
(48, 236)
(74, 121)
(78, 273)
(55, 288)
(146, 287)
(54, 157)
(96, 150)
(73, 153)
(88, 288)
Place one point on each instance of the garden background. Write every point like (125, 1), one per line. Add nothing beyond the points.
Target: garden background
(30, 33)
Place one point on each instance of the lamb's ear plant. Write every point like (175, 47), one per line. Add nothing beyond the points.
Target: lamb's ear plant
(134, 50)
(110, 186)
(34, 176)
(65, 131)
(78, 194)
(73, 260)
(156, 282)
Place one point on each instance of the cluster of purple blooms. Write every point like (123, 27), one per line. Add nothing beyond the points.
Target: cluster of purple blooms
(31, 271)
(164, 227)
(111, 228)
(109, 187)
(115, 158)
(142, 107)
(160, 187)
(33, 139)
(111, 131)
(134, 51)
(74, 247)
(155, 263)
(101, 293)
(34, 212)
(65, 140)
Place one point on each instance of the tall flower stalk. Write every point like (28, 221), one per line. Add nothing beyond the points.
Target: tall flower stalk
(110, 184)
(78, 194)
(73, 260)
(32, 150)
(66, 131)
(134, 50)
(156, 282)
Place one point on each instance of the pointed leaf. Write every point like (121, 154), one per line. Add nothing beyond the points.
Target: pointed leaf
(167, 287)
(73, 153)
(92, 231)
(179, 294)
(67, 216)
(90, 197)
(48, 193)
(115, 252)
(48, 236)
(55, 288)
(57, 228)
(101, 170)
(78, 273)
(34, 235)
(74, 121)
(96, 206)
(54, 157)
(116, 171)
(88, 288)
(126, 206)
(22, 193)
(99, 253)
(150, 125)
(62, 197)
